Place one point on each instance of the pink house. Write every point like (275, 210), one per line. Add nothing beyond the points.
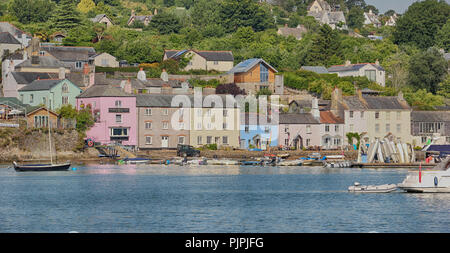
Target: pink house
(299, 130)
(114, 112)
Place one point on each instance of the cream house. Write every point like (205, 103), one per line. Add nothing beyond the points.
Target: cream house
(102, 19)
(8, 44)
(105, 60)
(214, 124)
(376, 116)
(221, 61)
(373, 71)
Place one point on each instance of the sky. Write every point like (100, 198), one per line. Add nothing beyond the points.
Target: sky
(399, 6)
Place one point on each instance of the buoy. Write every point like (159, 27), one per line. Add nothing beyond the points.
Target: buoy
(74, 168)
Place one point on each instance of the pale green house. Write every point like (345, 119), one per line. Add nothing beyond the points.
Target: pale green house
(55, 92)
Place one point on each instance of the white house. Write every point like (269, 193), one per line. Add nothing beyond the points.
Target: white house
(373, 71)
(105, 60)
(371, 18)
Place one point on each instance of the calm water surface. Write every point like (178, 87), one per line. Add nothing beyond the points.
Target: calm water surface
(143, 198)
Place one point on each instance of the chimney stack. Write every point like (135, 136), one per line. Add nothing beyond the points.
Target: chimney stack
(315, 108)
(127, 87)
(141, 75)
(377, 62)
(62, 73)
(86, 69)
(400, 96)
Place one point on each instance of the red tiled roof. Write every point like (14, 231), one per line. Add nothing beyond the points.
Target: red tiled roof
(329, 118)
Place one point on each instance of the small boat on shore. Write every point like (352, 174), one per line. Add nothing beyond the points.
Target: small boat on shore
(136, 160)
(386, 188)
(41, 167)
(434, 180)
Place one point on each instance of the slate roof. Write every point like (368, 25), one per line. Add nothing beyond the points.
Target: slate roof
(140, 18)
(97, 18)
(352, 67)
(28, 77)
(297, 118)
(430, 116)
(316, 69)
(12, 102)
(375, 103)
(333, 17)
(64, 53)
(44, 62)
(103, 90)
(46, 84)
(296, 32)
(7, 38)
(154, 100)
(328, 117)
(247, 65)
(208, 55)
(14, 31)
(15, 56)
(372, 17)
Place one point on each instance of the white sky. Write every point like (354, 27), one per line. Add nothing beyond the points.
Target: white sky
(400, 6)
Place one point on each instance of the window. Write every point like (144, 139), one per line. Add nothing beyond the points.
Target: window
(208, 113)
(180, 139)
(351, 127)
(199, 126)
(165, 125)
(371, 75)
(216, 140)
(286, 129)
(225, 139)
(199, 140)
(31, 98)
(181, 125)
(118, 118)
(264, 74)
(246, 129)
(308, 142)
(65, 100)
(44, 101)
(78, 64)
(362, 115)
(208, 139)
(351, 114)
(336, 128)
(377, 115)
(40, 121)
(388, 128)
(148, 112)
(399, 128)
(286, 142)
(424, 139)
(377, 128)
(41, 53)
(225, 112)
(388, 115)
(216, 63)
(104, 62)
(148, 125)
(399, 115)
(209, 126)
(118, 103)
(119, 132)
(165, 111)
(308, 129)
(327, 128)
(447, 139)
(225, 126)
(65, 88)
(148, 140)
(266, 129)
(199, 113)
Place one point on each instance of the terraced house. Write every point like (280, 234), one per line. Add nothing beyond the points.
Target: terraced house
(372, 115)
(53, 92)
(157, 126)
(430, 125)
(221, 61)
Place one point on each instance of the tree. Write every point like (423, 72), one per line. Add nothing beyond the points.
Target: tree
(358, 3)
(326, 47)
(65, 16)
(241, 13)
(371, 8)
(166, 23)
(67, 112)
(85, 6)
(389, 13)
(231, 88)
(397, 69)
(84, 119)
(444, 88)
(36, 11)
(355, 18)
(443, 37)
(423, 100)
(421, 22)
(427, 69)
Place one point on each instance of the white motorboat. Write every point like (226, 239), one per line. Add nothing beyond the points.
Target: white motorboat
(434, 180)
(357, 187)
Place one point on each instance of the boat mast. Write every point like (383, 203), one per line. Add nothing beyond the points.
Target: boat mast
(49, 130)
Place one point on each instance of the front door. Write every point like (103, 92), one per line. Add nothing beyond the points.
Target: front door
(165, 141)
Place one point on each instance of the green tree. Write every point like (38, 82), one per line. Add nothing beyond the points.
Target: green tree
(444, 88)
(85, 6)
(427, 69)
(85, 120)
(67, 111)
(443, 37)
(421, 22)
(371, 8)
(31, 11)
(241, 13)
(66, 16)
(166, 23)
(326, 47)
(355, 18)
(397, 66)
(423, 100)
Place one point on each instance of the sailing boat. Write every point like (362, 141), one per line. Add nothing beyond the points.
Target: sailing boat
(44, 167)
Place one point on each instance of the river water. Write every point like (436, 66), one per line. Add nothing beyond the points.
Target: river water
(144, 198)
